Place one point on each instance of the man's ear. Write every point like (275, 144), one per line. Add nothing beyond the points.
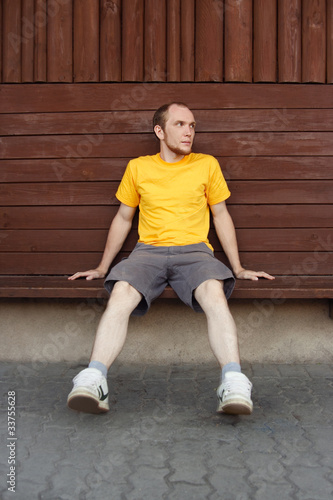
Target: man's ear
(159, 132)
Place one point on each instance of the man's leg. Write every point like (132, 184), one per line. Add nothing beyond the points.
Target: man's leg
(234, 393)
(112, 330)
(222, 331)
(90, 392)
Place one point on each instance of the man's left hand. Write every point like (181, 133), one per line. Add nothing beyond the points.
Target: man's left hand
(245, 274)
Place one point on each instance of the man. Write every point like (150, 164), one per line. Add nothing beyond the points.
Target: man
(174, 191)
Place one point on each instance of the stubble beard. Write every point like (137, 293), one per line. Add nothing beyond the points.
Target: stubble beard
(179, 151)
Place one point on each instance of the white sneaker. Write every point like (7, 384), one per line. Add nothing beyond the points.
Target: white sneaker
(90, 393)
(234, 395)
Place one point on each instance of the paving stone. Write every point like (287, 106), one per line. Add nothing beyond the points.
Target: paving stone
(183, 372)
(222, 454)
(256, 439)
(293, 370)
(186, 491)
(271, 407)
(267, 490)
(322, 386)
(151, 454)
(147, 481)
(127, 372)
(155, 389)
(319, 414)
(262, 370)
(230, 484)
(265, 468)
(188, 461)
(319, 370)
(207, 385)
(296, 449)
(312, 483)
(157, 373)
(320, 441)
(70, 481)
(6, 371)
(103, 490)
(26, 487)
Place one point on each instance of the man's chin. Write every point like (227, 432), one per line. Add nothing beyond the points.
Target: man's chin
(182, 151)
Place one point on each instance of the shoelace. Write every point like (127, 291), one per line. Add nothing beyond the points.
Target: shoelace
(238, 386)
(87, 379)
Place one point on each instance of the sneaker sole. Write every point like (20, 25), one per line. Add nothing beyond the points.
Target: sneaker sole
(235, 407)
(84, 401)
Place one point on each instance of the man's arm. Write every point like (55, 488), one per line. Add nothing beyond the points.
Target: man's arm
(226, 233)
(119, 229)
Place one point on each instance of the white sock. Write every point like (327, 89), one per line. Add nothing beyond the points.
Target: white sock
(230, 367)
(100, 366)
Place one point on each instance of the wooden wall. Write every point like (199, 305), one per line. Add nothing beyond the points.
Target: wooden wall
(166, 40)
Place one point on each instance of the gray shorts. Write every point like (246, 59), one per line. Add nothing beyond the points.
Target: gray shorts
(149, 269)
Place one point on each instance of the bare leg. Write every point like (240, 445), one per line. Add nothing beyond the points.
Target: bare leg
(234, 393)
(112, 330)
(222, 331)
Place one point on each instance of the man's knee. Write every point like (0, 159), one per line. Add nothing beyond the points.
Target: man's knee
(212, 287)
(210, 294)
(124, 295)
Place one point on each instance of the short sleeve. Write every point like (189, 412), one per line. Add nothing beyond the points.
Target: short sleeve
(127, 192)
(217, 190)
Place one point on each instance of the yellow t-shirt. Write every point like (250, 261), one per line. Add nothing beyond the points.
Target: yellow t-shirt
(173, 198)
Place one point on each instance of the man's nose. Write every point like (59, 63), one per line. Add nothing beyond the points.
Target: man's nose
(188, 130)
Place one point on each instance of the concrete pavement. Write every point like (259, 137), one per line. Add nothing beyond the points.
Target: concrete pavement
(162, 438)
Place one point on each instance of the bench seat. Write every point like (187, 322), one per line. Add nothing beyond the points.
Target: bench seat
(283, 287)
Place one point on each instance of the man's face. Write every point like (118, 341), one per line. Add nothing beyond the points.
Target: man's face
(179, 130)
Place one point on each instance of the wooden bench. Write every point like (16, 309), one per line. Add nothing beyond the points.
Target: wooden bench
(64, 148)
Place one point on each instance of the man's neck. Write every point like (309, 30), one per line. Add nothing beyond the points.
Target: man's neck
(170, 157)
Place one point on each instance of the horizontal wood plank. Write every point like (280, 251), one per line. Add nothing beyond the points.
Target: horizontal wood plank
(39, 194)
(50, 287)
(288, 263)
(62, 169)
(50, 263)
(276, 291)
(282, 240)
(58, 217)
(292, 192)
(285, 287)
(112, 169)
(84, 240)
(100, 217)
(17, 98)
(124, 145)
(284, 216)
(129, 122)
(277, 167)
(53, 263)
(77, 146)
(103, 193)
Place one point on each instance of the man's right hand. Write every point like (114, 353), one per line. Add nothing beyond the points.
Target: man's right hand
(119, 229)
(92, 274)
